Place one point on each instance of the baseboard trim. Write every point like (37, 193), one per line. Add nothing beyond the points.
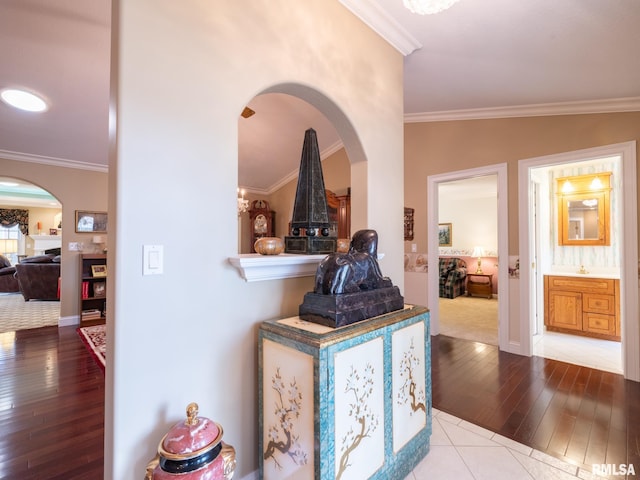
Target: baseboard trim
(69, 321)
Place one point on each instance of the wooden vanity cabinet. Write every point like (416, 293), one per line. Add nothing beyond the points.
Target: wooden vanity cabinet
(583, 306)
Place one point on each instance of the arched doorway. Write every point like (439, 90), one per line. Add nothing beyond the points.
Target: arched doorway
(30, 218)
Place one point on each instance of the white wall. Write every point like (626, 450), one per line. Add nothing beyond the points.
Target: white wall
(474, 222)
(182, 72)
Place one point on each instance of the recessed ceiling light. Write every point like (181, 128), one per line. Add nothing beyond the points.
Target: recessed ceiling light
(23, 100)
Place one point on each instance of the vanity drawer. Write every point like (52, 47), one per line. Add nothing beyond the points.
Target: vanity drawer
(605, 304)
(600, 324)
(605, 286)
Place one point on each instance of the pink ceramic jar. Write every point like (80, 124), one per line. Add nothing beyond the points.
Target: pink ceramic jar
(193, 450)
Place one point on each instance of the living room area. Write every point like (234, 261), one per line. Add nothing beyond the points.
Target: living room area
(40, 247)
(30, 248)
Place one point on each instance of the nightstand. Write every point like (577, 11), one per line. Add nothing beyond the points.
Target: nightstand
(480, 284)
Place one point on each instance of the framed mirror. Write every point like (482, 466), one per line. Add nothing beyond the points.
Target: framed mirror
(584, 209)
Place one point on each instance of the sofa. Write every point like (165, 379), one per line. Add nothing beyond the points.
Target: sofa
(453, 276)
(8, 280)
(38, 277)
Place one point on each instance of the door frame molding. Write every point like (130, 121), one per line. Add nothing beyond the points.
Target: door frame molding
(630, 323)
(503, 243)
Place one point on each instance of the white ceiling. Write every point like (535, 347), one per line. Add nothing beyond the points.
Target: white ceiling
(479, 59)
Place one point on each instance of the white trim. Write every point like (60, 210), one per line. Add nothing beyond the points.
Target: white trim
(628, 269)
(73, 320)
(53, 161)
(377, 18)
(254, 267)
(503, 245)
(612, 105)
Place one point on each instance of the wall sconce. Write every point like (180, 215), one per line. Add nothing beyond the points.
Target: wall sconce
(596, 184)
(567, 187)
(243, 205)
(478, 252)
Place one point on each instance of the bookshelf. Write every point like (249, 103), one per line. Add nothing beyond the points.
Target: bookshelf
(93, 287)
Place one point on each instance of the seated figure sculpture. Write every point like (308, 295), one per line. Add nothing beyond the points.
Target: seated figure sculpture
(353, 271)
(349, 287)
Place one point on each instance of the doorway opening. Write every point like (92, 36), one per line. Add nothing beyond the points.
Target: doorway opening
(29, 220)
(433, 208)
(468, 219)
(540, 253)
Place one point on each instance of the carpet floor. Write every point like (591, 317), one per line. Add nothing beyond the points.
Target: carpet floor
(470, 318)
(16, 314)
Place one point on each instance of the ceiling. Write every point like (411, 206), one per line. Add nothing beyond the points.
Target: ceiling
(479, 59)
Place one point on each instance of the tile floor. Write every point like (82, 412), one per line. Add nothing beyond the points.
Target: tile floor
(463, 451)
(589, 352)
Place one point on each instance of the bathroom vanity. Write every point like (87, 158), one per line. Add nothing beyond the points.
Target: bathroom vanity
(582, 305)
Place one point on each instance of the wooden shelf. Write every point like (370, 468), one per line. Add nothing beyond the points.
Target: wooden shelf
(88, 299)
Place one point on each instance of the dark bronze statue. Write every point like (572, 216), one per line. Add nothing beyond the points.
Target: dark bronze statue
(349, 287)
(353, 271)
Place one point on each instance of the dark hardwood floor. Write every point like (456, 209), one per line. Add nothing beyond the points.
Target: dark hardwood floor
(52, 404)
(51, 407)
(578, 414)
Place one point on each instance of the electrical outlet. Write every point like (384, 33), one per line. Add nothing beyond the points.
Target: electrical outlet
(414, 247)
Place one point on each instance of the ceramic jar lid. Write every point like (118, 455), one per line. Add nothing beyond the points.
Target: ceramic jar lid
(190, 444)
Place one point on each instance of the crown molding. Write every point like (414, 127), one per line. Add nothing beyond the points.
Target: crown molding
(376, 18)
(614, 105)
(53, 161)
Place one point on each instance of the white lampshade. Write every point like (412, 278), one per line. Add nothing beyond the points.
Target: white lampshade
(478, 252)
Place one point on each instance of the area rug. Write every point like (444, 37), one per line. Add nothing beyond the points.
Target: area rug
(94, 338)
(16, 314)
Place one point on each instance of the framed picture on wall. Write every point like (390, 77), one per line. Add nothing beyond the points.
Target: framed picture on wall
(93, 222)
(408, 223)
(444, 235)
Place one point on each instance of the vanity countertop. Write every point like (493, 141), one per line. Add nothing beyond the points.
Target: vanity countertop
(591, 273)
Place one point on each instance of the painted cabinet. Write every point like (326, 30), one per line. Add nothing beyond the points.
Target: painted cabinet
(583, 306)
(346, 403)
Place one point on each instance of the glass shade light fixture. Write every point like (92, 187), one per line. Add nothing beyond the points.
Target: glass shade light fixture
(596, 184)
(567, 187)
(428, 7)
(478, 252)
(243, 204)
(23, 100)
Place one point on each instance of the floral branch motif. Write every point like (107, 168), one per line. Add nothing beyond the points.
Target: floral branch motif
(361, 386)
(281, 435)
(407, 392)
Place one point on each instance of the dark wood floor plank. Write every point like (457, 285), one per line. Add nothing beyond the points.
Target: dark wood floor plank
(51, 407)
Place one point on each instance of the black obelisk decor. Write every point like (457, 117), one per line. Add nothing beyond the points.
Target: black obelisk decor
(349, 287)
(310, 222)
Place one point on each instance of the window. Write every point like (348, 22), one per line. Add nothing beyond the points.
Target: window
(9, 237)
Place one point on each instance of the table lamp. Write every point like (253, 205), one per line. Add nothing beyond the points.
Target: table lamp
(478, 252)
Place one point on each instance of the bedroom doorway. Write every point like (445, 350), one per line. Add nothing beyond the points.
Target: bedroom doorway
(433, 184)
(468, 298)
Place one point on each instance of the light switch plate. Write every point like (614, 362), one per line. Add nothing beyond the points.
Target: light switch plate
(152, 259)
